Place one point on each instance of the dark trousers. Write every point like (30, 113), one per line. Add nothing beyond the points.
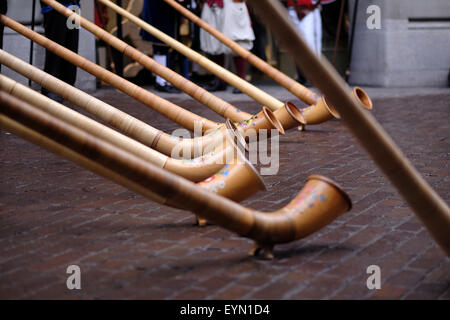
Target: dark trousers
(3, 9)
(56, 30)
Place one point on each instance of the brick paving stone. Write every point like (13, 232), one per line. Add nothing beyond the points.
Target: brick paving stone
(53, 213)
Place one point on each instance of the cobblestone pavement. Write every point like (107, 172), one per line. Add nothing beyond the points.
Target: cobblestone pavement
(54, 214)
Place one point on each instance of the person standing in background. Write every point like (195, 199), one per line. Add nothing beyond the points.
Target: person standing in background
(56, 29)
(3, 9)
(305, 14)
(161, 16)
(231, 17)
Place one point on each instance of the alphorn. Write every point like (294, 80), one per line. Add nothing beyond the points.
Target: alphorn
(287, 82)
(263, 120)
(249, 89)
(425, 202)
(257, 94)
(220, 106)
(287, 115)
(226, 171)
(138, 130)
(318, 203)
(197, 169)
(168, 109)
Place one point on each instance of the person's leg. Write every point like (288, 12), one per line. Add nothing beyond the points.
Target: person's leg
(55, 29)
(161, 55)
(239, 64)
(218, 84)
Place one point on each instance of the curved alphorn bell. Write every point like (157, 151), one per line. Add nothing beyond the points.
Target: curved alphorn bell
(216, 104)
(426, 203)
(318, 203)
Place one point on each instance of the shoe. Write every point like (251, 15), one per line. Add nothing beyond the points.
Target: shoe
(217, 85)
(168, 88)
(236, 91)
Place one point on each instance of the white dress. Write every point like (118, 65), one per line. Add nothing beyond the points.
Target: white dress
(310, 28)
(232, 20)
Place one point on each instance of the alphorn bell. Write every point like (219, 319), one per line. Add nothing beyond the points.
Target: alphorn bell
(211, 101)
(290, 84)
(318, 203)
(426, 203)
(258, 95)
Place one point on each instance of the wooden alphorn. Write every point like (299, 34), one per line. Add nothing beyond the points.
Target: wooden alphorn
(197, 169)
(213, 102)
(168, 109)
(426, 203)
(140, 131)
(187, 119)
(318, 203)
(229, 77)
(258, 95)
(287, 115)
(287, 82)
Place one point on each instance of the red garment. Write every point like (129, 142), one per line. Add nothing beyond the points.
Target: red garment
(301, 2)
(218, 2)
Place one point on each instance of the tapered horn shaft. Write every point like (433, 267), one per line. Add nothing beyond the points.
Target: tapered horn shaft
(319, 202)
(213, 102)
(138, 130)
(195, 170)
(290, 84)
(426, 203)
(229, 77)
(168, 109)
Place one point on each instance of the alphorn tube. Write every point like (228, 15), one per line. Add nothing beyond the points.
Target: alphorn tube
(196, 169)
(240, 181)
(237, 82)
(173, 112)
(318, 203)
(168, 109)
(258, 95)
(213, 102)
(138, 130)
(426, 203)
(313, 116)
(290, 84)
